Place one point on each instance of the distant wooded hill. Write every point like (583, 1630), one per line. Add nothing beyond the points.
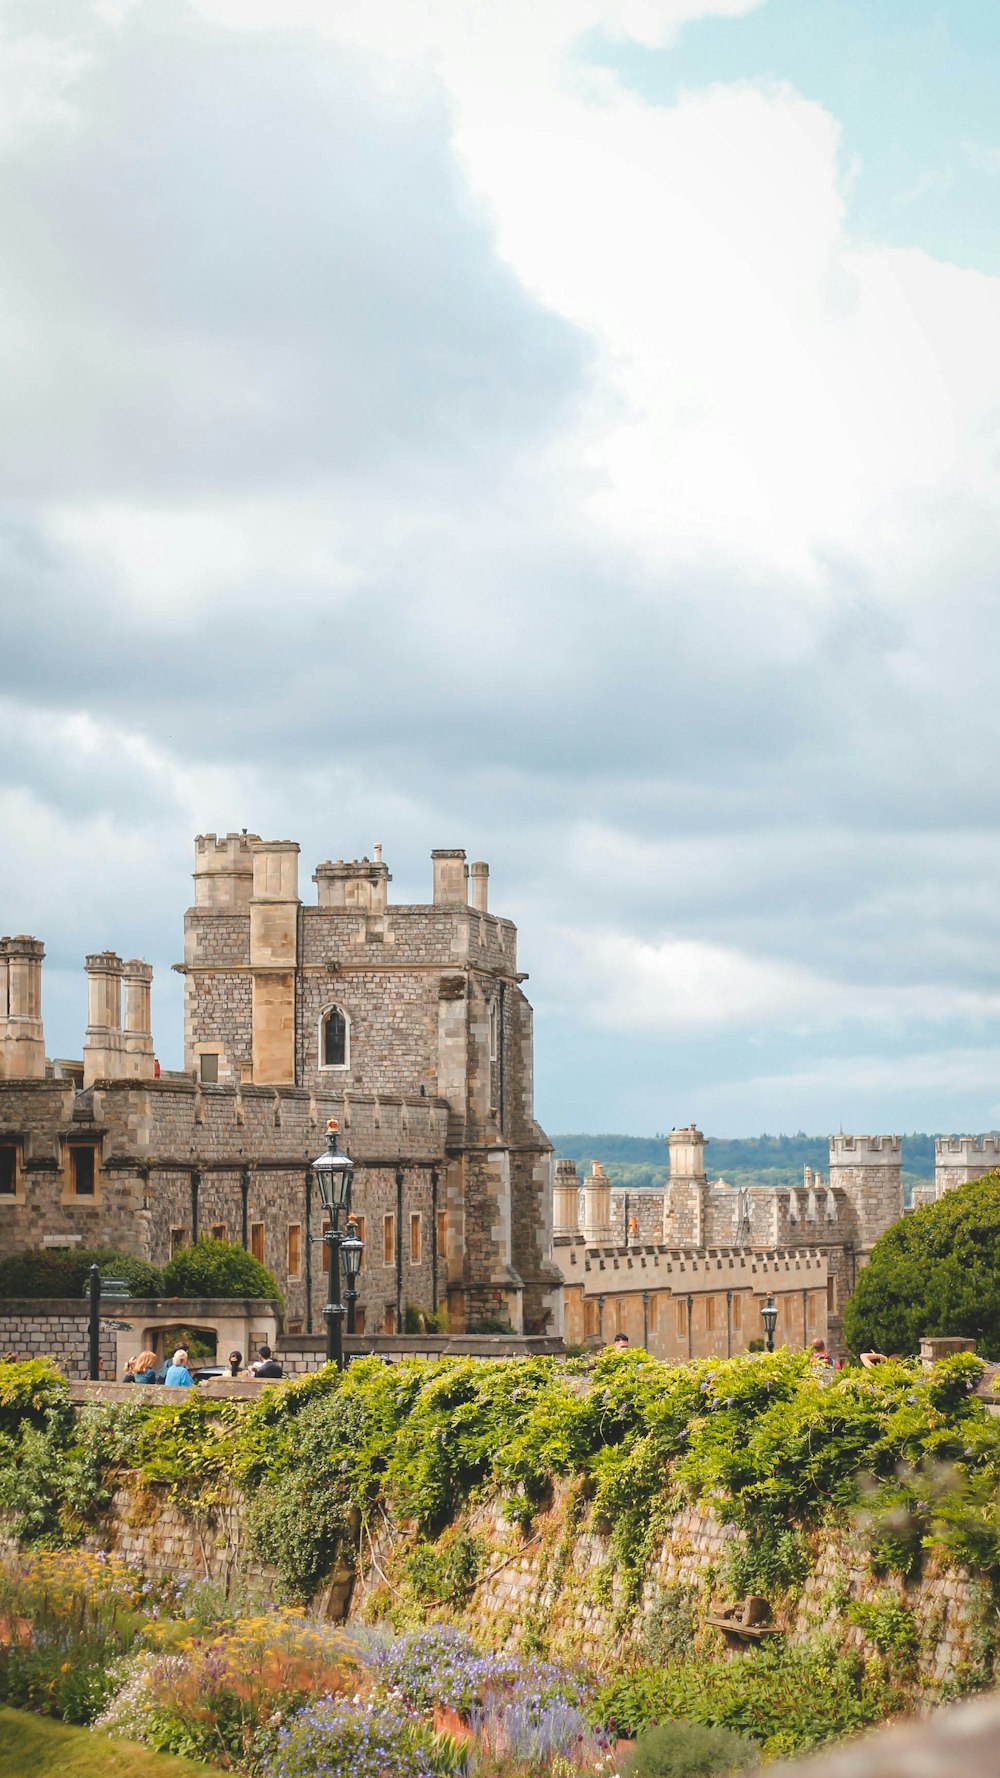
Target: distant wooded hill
(746, 1160)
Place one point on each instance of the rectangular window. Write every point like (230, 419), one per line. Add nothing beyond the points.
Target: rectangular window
(293, 1327)
(294, 1249)
(8, 1170)
(591, 1319)
(257, 1240)
(178, 1241)
(83, 1170)
(682, 1316)
(831, 1296)
(415, 1238)
(359, 1319)
(389, 1321)
(442, 1233)
(710, 1314)
(219, 1231)
(737, 1311)
(209, 1066)
(654, 1313)
(389, 1242)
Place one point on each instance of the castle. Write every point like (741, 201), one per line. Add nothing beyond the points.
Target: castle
(407, 1023)
(685, 1271)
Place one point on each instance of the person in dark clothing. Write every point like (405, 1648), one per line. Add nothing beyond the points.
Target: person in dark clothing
(235, 1363)
(265, 1364)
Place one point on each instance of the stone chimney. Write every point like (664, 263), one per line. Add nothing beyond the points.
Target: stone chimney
(22, 1041)
(684, 1208)
(274, 911)
(566, 1199)
(451, 878)
(104, 1044)
(138, 1033)
(597, 1228)
(480, 874)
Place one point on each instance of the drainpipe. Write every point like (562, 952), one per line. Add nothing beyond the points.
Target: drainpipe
(244, 1210)
(690, 1326)
(195, 1187)
(399, 1250)
(434, 1239)
(309, 1268)
(729, 1324)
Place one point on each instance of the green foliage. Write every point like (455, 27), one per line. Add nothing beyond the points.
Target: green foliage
(690, 1750)
(218, 1268)
(424, 1321)
(28, 1392)
(784, 1699)
(890, 1627)
(45, 1272)
(444, 1573)
(775, 1559)
(937, 1271)
(669, 1625)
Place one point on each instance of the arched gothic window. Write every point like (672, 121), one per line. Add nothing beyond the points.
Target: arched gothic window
(334, 1038)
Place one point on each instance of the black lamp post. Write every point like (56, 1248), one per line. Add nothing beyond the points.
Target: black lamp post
(334, 1172)
(769, 1316)
(351, 1249)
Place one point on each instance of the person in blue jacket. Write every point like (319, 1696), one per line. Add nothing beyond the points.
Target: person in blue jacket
(177, 1370)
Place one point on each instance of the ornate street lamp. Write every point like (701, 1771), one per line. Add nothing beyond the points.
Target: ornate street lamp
(334, 1172)
(769, 1316)
(351, 1249)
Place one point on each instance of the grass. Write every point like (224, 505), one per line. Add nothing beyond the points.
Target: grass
(37, 1747)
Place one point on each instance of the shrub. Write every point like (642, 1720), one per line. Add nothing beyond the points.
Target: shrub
(937, 1271)
(28, 1390)
(349, 1740)
(42, 1272)
(786, 1699)
(218, 1268)
(689, 1750)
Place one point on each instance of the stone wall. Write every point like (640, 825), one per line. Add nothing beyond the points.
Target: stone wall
(560, 1580)
(60, 1331)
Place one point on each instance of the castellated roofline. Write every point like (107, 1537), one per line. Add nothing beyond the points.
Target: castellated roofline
(874, 1149)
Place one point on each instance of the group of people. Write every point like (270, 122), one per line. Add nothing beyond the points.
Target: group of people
(175, 1372)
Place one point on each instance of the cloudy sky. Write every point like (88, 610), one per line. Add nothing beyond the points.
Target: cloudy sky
(568, 429)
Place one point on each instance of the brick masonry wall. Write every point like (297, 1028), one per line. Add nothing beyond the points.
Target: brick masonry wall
(60, 1333)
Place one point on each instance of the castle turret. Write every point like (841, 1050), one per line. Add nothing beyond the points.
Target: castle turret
(684, 1208)
(959, 1159)
(223, 871)
(870, 1170)
(22, 1040)
(355, 883)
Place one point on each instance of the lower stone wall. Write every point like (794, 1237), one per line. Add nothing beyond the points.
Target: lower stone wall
(565, 1583)
(59, 1331)
(560, 1583)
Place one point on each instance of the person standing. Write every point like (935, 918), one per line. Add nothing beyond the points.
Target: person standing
(178, 1375)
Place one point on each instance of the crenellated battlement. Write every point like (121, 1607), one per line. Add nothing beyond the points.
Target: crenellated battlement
(866, 1151)
(949, 1149)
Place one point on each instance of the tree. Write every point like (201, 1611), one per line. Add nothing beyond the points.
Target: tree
(937, 1271)
(218, 1268)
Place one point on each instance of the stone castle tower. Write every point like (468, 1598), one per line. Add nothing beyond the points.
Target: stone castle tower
(408, 1024)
